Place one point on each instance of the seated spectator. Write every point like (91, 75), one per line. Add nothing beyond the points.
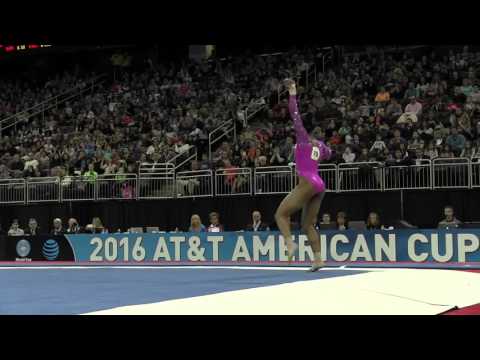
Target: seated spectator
(373, 222)
(73, 227)
(379, 144)
(450, 220)
(348, 155)
(277, 159)
(456, 141)
(468, 151)
(326, 219)
(257, 224)
(15, 229)
(215, 225)
(394, 109)
(383, 96)
(342, 221)
(412, 91)
(57, 227)
(96, 227)
(33, 228)
(414, 107)
(196, 224)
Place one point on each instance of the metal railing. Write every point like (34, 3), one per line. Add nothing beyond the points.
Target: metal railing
(191, 184)
(235, 181)
(451, 173)
(475, 172)
(162, 184)
(409, 177)
(223, 130)
(273, 180)
(43, 189)
(156, 168)
(156, 186)
(361, 176)
(13, 191)
(77, 188)
(50, 103)
(184, 157)
(115, 187)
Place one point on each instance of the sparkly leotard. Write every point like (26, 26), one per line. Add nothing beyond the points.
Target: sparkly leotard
(307, 152)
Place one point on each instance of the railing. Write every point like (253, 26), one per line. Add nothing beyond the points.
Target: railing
(184, 157)
(451, 173)
(159, 185)
(49, 103)
(342, 178)
(475, 172)
(156, 168)
(191, 184)
(13, 191)
(409, 177)
(273, 180)
(119, 186)
(43, 189)
(235, 181)
(77, 188)
(361, 176)
(223, 130)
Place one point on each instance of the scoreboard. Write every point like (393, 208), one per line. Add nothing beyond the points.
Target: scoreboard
(25, 47)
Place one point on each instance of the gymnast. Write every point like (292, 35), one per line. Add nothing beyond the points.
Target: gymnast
(310, 190)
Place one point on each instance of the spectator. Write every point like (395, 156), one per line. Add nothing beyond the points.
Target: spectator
(215, 225)
(373, 222)
(450, 221)
(326, 219)
(394, 109)
(414, 107)
(383, 96)
(257, 224)
(96, 227)
(379, 144)
(456, 141)
(348, 155)
(57, 227)
(342, 223)
(73, 227)
(33, 228)
(15, 229)
(412, 91)
(90, 176)
(196, 224)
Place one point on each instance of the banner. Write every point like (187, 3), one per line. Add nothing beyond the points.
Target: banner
(414, 246)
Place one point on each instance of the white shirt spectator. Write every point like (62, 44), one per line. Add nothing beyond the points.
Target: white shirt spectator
(349, 157)
(17, 232)
(378, 145)
(415, 108)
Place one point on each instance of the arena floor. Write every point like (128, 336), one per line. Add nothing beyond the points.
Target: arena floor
(140, 290)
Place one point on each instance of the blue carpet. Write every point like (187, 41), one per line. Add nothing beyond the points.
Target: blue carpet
(77, 291)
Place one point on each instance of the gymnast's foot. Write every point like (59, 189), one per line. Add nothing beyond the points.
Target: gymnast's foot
(317, 265)
(291, 248)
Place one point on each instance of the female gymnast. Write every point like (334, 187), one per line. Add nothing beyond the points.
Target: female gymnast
(309, 192)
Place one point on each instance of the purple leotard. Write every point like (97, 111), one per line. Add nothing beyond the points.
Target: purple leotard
(307, 152)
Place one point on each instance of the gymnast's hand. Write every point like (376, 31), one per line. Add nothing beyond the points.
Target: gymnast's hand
(291, 87)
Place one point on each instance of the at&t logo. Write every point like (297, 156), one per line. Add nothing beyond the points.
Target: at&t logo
(50, 250)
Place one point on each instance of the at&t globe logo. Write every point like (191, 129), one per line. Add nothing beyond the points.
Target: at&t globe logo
(50, 249)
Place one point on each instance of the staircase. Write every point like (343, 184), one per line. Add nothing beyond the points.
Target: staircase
(50, 103)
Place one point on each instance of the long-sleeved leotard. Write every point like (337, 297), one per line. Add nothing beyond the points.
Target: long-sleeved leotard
(307, 152)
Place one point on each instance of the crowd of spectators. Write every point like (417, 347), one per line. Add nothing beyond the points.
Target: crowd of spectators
(144, 116)
(396, 109)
